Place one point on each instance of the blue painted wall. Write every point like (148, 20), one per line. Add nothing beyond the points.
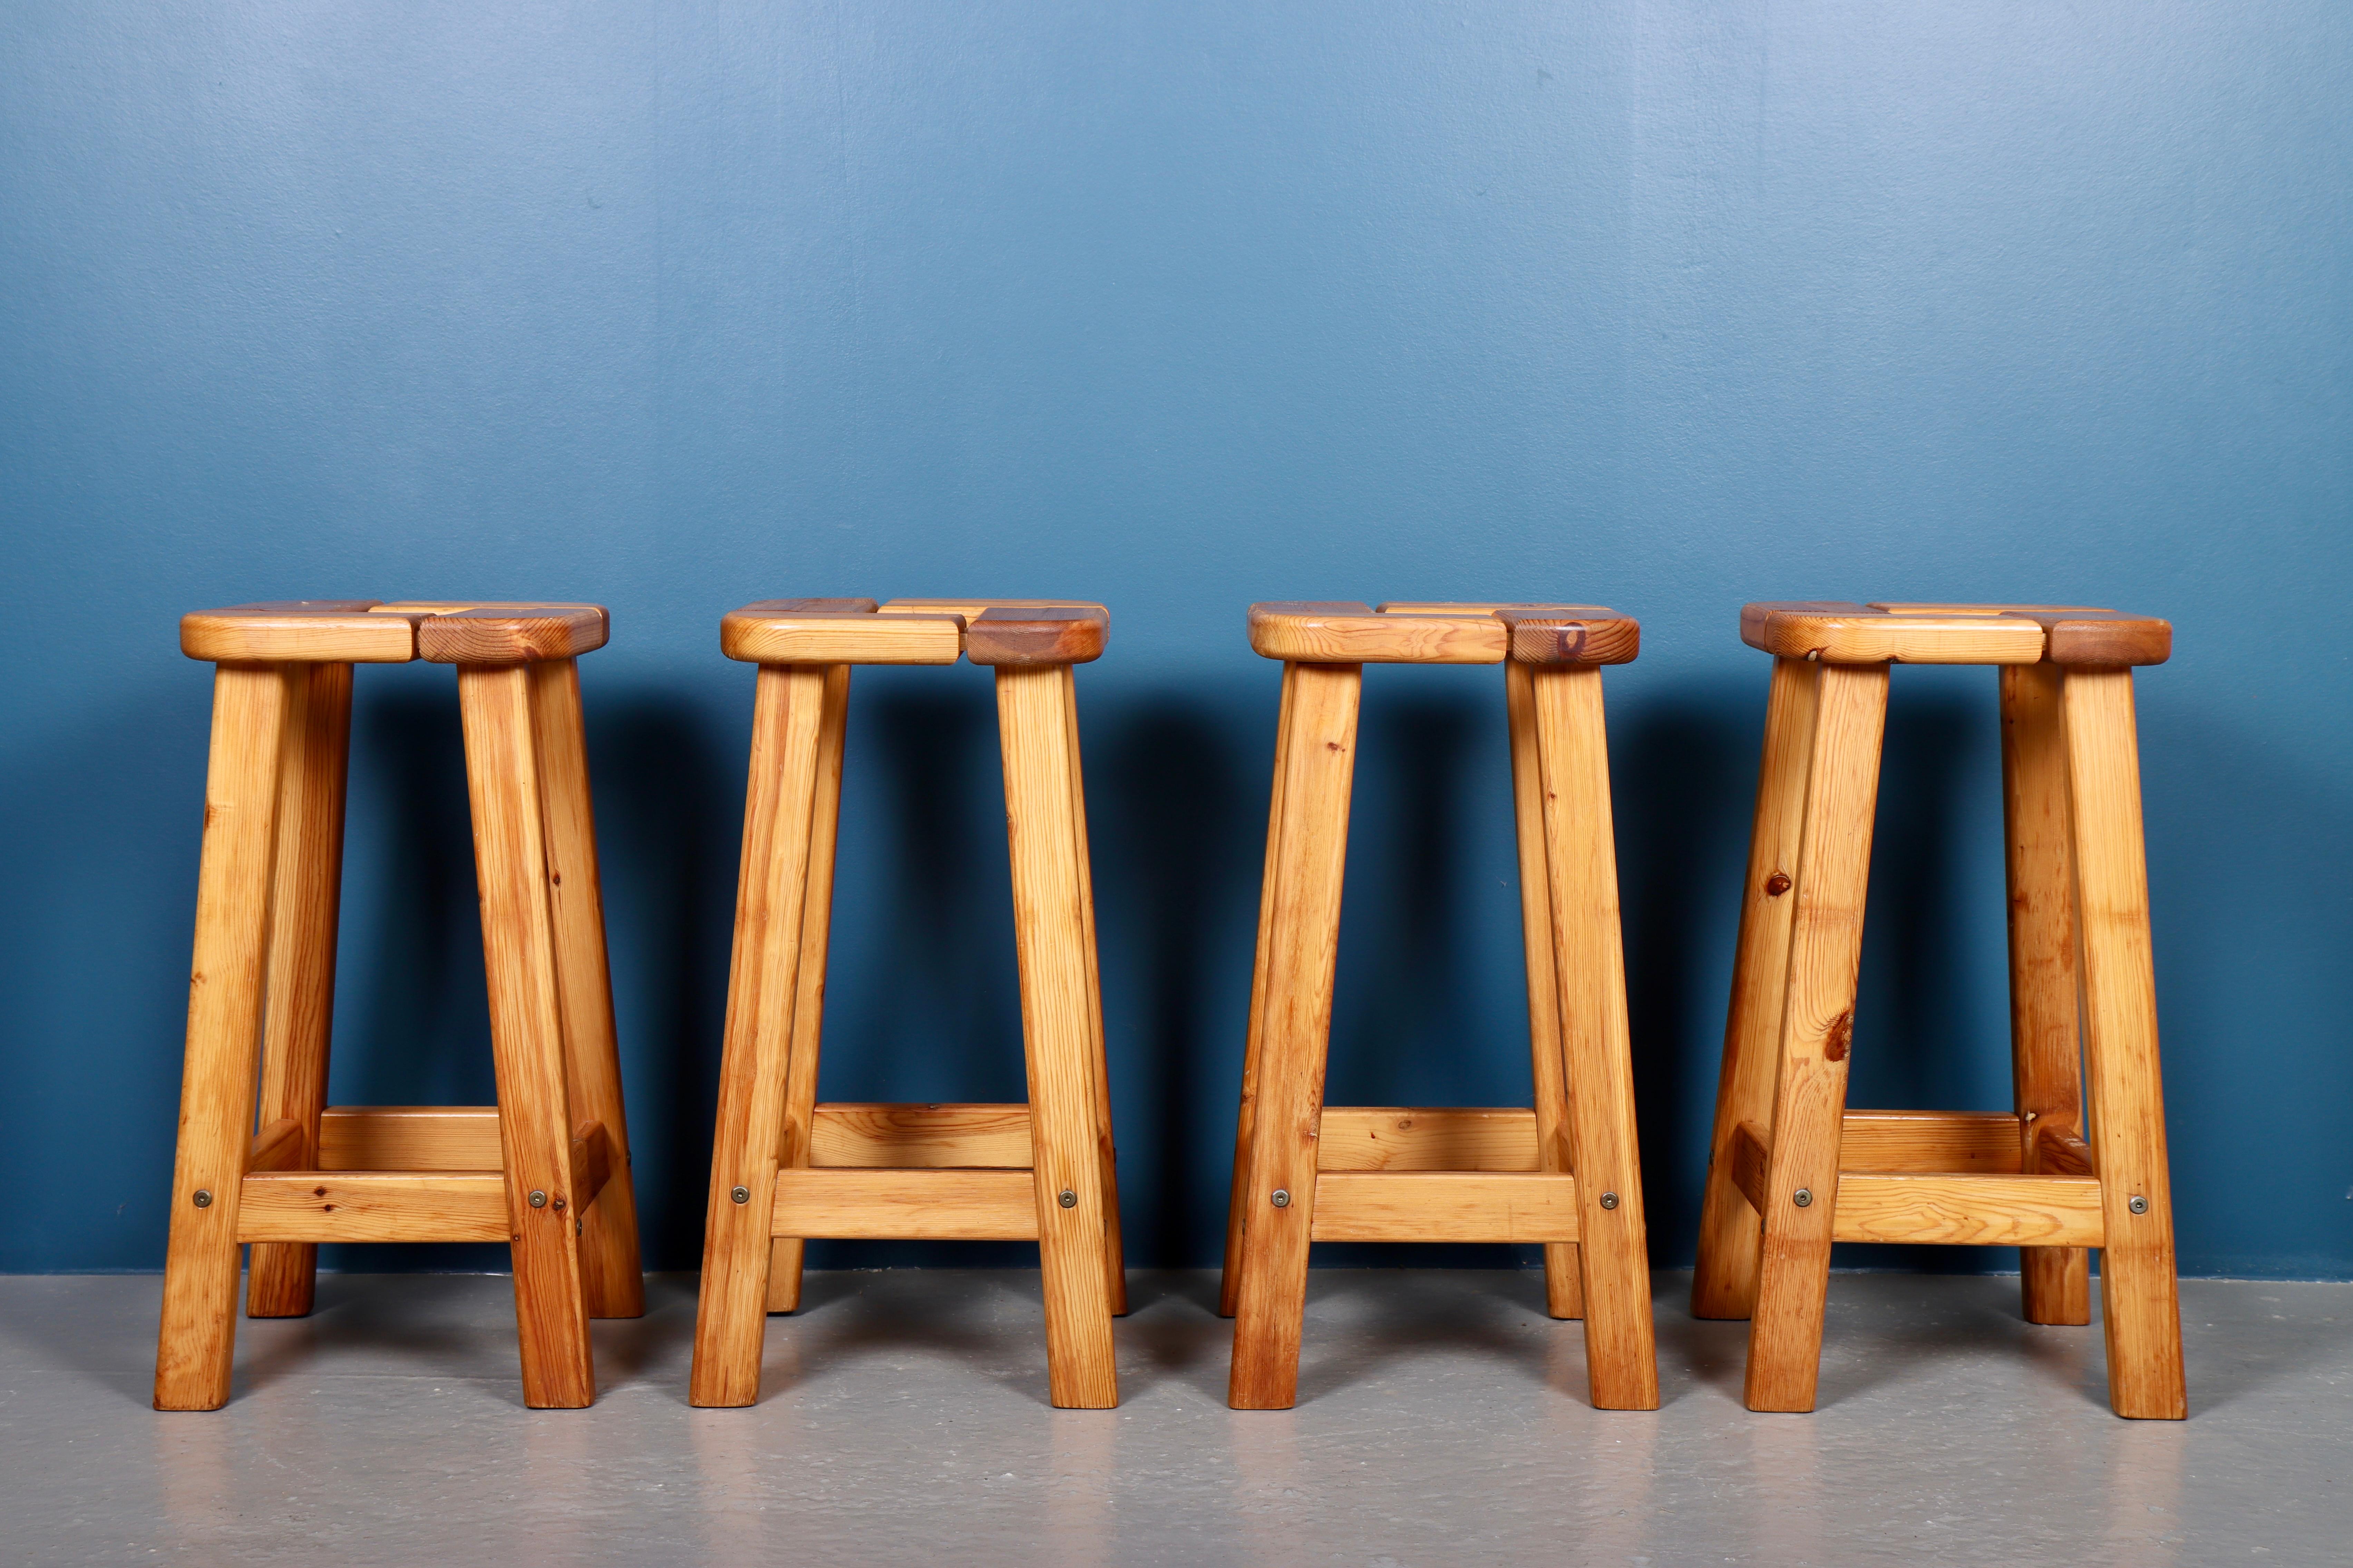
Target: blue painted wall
(1668, 306)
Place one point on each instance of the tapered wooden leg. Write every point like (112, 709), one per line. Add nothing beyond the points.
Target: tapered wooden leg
(1230, 1284)
(785, 1252)
(1833, 877)
(1572, 745)
(762, 996)
(1564, 1277)
(2044, 1054)
(1315, 765)
(1114, 1252)
(197, 1341)
(519, 949)
(612, 1272)
(1723, 1284)
(2138, 1293)
(1058, 1032)
(313, 766)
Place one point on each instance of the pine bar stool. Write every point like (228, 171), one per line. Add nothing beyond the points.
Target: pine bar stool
(547, 1169)
(1303, 1171)
(1791, 1170)
(784, 1169)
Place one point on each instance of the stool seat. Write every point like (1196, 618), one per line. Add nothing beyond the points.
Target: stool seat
(1404, 632)
(915, 631)
(369, 631)
(1889, 632)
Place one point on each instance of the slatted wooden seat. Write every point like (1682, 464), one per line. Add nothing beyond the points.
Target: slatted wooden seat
(547, 1169)
(785, 1169)
(1792, 1171)
(1564, 1173)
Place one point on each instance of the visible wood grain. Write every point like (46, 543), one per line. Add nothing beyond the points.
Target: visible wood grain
(762, 997)
(1315, 762)
(1724, 1283)
(928, 1204)
(1954, 1142)
(1405, 1138)
(1785, 1333)
(973, 609)
(1350, 633)
(2053, 1151)
(760, 633)
(1564, 1270)
(592, 1165)
(1968, 1211)
(197, 1337)
(510, 633)
(921, 1137)
(2139, 1294)
(2073, 634)
(1057, 1029)
(1570, 634)
(327, 630)
(1746, 1161)
(611, 1272)
(410, 1138)
(313, 764)
(1621, 1357)
(1038, 635)
(1857, 633)
(1449, 1206)
(795, 1149)
(290, 1207)
(2045, 1050)
(278, 1146)
(505, 784)
(1106, 1154)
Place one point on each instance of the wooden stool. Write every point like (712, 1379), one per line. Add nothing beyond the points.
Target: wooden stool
(1304, 1172)
(784, 1168)
(547, 1169)
(1785, 1146)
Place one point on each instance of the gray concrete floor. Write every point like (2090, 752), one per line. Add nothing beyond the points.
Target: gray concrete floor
(1442, 1420)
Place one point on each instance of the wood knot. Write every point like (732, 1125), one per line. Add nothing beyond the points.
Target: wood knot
(1776, 884)
(1331, 745)
(1835, 1046)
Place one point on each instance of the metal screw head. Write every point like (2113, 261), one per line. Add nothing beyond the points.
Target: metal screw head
(740, 1194)
(1803, 1197)
(1067, 1198)
(1610, 1200)
(1281, 1198)
(2139, 1206)
(539, 1200)
(203, 1200)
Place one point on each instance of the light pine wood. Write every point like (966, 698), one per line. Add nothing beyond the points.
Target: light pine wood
(1833, 869)
(313, 765)
(1564, 1270)
(763, 980)
(327, 630)
(1570, 634)
(611, 1272)
(506, 788)
(409, 1138)
(1621, 1357)
(278, 1146)
(1858, 634)
(1037, 635)
(1405, 1138)
(1114, 1251)
(921, 1204)
(305, 1207)
(973, 609)
(2045, 1054)
(757, 635)
(508, 634)
(1724, 1283)
(794, 1148)
(1352, 632)
(1969, 1211)
(921, 1137)
(2139, 1294)
(2054, 1152)
(196, 1339)
(1446, 1205)
(1314, 763)
(1952, 1142)
(1746, 1161)
(1237, 1206)
(591, 1163)
(2073, 634)
(1058, 1028)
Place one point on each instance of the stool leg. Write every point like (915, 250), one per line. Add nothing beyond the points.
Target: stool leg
(2139, 1294)
(1785, 1335)
(763, 988)
(610, 1270)
(1314, 766)
(314, 761)
(1724, 1284)
(1050, 936)
(2044, 1054)
(1230, 1284)
(1564, 1277)
(1106, 1154)
(198, 1338)
(1572, 745)
(519, 956)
